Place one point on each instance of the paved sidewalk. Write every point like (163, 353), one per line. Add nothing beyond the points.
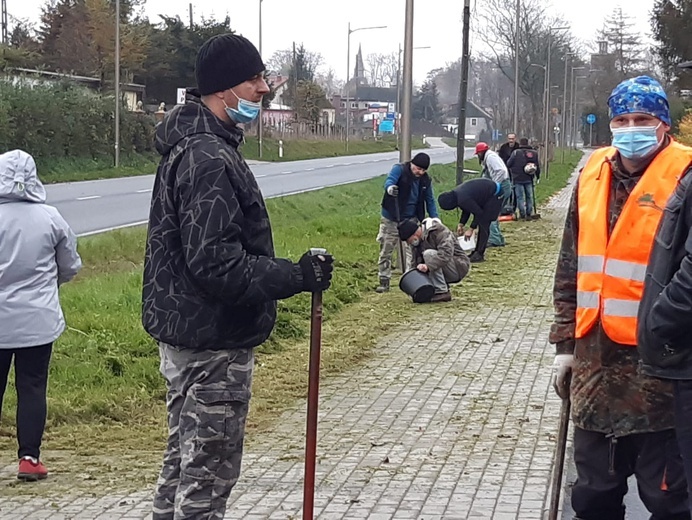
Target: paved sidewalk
(451, 418)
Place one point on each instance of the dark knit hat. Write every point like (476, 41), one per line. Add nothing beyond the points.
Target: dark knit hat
(407, 228)
(422, 160)
(224, 61)
(447, 200)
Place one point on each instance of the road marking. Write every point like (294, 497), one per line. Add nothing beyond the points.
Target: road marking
(283, 173)
(144, 191)
(260, 176)
(90, 197)
(113, 228)
(310, 169)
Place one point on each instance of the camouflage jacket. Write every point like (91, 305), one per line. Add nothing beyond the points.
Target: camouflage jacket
(439, 237)
(610, 393)
(210, 277)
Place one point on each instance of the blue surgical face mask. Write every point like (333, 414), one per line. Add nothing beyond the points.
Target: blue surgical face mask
(246, 112)
(635, 142)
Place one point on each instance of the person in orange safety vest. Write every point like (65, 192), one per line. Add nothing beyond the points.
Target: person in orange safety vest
(624, 423)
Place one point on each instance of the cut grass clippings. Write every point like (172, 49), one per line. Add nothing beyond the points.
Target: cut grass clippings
(106, 398)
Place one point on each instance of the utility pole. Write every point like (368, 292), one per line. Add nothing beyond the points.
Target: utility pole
(516, 69)
(407, 95)
(117, 83)
(563, 116)
(5, 40)
(346, 87)
(463, 94)
(261, 116)
(398, 99)
(191, 22)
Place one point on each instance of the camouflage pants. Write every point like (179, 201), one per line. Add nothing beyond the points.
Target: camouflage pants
(207, 401)
(388, 237)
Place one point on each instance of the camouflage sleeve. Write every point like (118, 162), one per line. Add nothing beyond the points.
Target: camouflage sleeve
(445, 250)
(565, 287)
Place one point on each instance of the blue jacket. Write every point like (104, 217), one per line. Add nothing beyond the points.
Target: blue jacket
(415, 194)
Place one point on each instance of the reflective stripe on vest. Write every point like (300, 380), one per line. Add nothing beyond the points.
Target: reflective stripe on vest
(612, 268)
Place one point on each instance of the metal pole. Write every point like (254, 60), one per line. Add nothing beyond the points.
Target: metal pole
(191, 22)
(559, 463)
(563, 119)
(516, 70)
(407, 95)
(571, 109)
(313, 404)
(463, 94)
(348, 75)
(117, 83)
(547, 107)
(398, 102)
(261, 122)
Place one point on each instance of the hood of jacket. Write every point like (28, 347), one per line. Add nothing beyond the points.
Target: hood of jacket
(430, 224)
(190, 119)
(19, 180)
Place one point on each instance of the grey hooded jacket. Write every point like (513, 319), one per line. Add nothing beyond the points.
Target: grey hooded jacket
(38, 252)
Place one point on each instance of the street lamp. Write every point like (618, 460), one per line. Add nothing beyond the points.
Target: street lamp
(348, 74)
(117, 83)
(563, 118)
(261, 117)
(572, 106)
(576, 103)
(547, 97)
(516, 69)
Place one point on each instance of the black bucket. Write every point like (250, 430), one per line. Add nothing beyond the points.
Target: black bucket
(417, 285)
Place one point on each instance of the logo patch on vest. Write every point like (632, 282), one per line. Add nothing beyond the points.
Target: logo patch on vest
(647, 201)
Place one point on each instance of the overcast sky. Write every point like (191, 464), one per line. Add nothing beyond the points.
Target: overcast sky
(437, 23)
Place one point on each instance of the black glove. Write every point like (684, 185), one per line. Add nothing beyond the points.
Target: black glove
(393, 190)
(317, 272)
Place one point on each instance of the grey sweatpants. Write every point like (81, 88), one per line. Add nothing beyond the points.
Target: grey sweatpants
(207, 401)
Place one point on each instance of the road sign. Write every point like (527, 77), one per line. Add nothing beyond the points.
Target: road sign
(591, 119)
(180, 97)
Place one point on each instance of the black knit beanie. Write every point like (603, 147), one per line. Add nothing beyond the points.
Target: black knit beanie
(447, 200)
(422, 160)
(224, 61)
(407, 228)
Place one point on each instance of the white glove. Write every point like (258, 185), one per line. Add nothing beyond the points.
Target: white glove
(562, 368)
(393, 190)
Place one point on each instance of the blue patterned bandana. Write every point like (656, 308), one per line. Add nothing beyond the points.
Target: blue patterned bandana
(642, 95)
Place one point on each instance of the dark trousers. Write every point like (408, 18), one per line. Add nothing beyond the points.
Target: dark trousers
(683, 427)
(491, 211)
(30, 380)
(603, 467)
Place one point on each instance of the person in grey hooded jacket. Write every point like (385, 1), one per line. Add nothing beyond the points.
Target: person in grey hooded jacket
(38, 252)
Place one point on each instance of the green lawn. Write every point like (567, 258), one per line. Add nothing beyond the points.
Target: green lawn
(106, 396)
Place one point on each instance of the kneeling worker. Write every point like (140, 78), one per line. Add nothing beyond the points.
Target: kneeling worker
(481, 198)
(436, 251)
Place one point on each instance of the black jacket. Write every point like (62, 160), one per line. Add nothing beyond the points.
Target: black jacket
(506, 150)
(406, 179)
(210, 277)
(517, 162)
(474, 197)
(665, 312)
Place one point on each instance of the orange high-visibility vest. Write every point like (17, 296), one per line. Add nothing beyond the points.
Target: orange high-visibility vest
(610, 279)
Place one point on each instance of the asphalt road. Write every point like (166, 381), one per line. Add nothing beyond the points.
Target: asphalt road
(92, 207)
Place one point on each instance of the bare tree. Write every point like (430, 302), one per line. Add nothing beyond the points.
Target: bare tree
(329, 82)
(624, 43)
(281, 61)
(497, 30)
(382, 69)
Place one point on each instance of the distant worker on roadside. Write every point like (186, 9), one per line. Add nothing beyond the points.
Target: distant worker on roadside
(211, 278)
(508, 148)
(481, 198)
(436, 251)
(408, 193)
(38, 253)
(623, 418)
(494, 168)
(525, 170)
